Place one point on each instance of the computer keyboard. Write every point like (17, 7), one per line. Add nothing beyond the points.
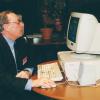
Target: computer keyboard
(50, 71)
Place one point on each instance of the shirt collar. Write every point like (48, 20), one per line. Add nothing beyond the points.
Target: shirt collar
(9, 41)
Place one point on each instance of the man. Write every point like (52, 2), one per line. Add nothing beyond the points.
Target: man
(15, 65)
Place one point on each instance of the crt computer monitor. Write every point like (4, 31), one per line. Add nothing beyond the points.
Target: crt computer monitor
(83, 33)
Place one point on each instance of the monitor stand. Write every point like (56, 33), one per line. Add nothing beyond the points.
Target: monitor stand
(83, 68)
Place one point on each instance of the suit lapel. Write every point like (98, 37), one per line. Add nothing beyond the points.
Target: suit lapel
(8, 54)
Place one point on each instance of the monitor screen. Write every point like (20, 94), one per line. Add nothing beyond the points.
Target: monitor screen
(83, 33)
(73, 29)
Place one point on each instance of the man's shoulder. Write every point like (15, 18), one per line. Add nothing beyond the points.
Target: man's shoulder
(2, 40)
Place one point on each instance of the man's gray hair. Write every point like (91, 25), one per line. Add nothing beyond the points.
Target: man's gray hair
(3, 19)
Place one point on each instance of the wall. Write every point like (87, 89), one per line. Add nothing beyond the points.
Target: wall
(30, 9)
(86, 6)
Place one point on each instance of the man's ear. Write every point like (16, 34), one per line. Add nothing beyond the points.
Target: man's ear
(6, 27)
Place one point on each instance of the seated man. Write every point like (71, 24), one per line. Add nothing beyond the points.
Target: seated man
(15, 64)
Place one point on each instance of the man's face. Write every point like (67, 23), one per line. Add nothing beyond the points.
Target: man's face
(15, 27)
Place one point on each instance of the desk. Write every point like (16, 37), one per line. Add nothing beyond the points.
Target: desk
(66, 92)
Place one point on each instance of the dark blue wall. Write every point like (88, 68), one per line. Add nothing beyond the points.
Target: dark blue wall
(30, 10)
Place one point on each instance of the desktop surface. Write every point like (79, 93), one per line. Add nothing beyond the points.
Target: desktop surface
(66, 92)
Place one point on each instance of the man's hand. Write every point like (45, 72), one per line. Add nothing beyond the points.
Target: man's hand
(24, 74)
(43, 83)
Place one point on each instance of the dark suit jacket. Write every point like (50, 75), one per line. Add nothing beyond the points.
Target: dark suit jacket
(8, 81)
